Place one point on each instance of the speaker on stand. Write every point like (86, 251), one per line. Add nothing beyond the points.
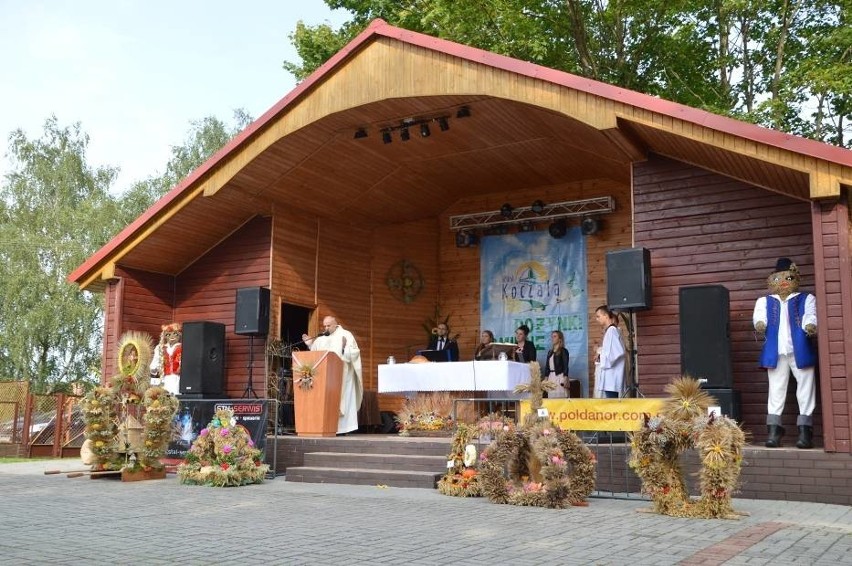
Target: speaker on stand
(628, 289)
(251, 318)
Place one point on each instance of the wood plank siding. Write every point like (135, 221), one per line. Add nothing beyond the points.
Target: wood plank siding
(834, 311)
(706, 229)
(206, 291)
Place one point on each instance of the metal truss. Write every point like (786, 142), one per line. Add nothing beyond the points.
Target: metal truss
(566, 209)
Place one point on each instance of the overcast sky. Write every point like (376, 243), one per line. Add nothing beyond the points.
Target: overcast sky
(135, 73)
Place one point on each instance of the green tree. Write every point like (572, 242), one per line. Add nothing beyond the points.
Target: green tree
(781, 63)
(55, 211)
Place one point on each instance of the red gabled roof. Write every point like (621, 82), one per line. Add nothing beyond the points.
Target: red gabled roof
(378, 27)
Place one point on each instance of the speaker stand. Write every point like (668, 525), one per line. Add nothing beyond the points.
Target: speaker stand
(249, 391)
(632, 387)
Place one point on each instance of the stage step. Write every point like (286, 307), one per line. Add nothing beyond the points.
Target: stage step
(408, 462)
(359, 476)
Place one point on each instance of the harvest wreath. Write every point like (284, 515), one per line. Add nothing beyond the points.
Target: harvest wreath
(547, 466)
(682, 425)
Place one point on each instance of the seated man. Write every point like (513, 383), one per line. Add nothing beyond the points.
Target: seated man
(442, 342)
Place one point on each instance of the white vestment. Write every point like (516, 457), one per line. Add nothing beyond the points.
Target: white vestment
(611, 362)
(352, 389)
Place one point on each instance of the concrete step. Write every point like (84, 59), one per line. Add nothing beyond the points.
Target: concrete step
(358, 476)
(395, 462)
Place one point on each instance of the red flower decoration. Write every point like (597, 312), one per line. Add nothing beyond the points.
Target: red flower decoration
(225, 465)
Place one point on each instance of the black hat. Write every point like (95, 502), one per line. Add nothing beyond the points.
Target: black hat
(783, 264)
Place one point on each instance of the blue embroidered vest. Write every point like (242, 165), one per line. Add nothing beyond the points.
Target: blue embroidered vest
(803, 349)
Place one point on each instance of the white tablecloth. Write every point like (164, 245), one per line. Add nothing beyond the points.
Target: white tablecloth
(491, 375)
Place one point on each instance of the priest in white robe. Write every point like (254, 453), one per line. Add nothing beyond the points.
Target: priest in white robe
(340, 341)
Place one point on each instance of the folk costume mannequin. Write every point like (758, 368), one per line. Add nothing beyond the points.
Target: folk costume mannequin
(788, 320)
(165, 366)
(342, 342)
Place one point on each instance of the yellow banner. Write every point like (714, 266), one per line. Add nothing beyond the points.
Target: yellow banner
(598, 414)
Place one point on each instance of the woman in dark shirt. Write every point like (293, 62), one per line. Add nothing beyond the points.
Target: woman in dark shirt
(525, 352)
(556, 366)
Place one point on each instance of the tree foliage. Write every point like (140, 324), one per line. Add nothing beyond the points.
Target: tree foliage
(55, 211)
(785, 64)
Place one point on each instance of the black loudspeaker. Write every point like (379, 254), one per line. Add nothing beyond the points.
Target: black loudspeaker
(628, 279)
(251, 317)
(202, 367)
(705, 340)
(728, 402)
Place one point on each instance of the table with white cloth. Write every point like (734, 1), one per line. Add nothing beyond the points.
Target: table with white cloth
(488, 375)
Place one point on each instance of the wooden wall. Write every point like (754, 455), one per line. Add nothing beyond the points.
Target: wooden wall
(206, 291)
(459, 267)
(136, 300)
(834, 312)
(705, 229)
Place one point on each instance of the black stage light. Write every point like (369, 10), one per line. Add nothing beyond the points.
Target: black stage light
(463, 112)
(404, 135)
(558, 229)
(424, 130)
(386, 137)
(465, 239)
(443, 124)
(590, 225)
(506, 210)
(537, 206)
(527, 226)
(360, 133)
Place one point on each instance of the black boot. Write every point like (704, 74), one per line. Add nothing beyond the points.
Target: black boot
(806, 437)
(775, 434)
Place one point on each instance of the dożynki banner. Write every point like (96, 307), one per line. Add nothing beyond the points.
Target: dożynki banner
(534, 279)
(195, 414)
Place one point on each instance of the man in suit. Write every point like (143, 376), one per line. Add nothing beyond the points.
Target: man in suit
(441, 341)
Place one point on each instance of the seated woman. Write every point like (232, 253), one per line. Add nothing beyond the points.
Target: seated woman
(483, 349)
(556, 366)
(525, 352)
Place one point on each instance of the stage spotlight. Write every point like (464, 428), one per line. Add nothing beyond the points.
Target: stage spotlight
(527, 226)
(506, 210)
(386, 137)
(424, 130)
(537, 206)
(558, 229)
(463, 112)
(360, 133)
(443, 124)
(465, 239)
(404, 135)
(590, 225)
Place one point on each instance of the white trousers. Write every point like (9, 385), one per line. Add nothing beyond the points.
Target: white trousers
(778, 378)
(560, 392)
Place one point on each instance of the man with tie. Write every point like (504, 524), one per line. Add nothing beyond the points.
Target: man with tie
(442, 343)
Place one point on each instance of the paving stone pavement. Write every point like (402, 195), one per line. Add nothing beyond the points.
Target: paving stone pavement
(59, 520)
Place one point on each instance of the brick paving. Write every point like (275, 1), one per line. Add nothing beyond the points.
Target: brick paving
(57, 520)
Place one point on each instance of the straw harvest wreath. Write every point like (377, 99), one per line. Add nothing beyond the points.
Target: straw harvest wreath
(547, 466)
(682, 425)
(114, 437)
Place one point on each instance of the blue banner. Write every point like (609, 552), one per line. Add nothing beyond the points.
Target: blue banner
(531, 278)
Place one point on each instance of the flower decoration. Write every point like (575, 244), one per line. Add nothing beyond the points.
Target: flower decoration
(461, 478)
(224, 457)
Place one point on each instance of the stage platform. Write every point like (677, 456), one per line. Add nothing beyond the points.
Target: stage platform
(392, 460)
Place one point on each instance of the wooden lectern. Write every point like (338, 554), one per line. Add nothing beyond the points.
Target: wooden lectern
(318, 409)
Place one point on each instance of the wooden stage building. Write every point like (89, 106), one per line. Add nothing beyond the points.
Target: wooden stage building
(321, 199)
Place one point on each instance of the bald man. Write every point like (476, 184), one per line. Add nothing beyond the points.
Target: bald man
(340, 341)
